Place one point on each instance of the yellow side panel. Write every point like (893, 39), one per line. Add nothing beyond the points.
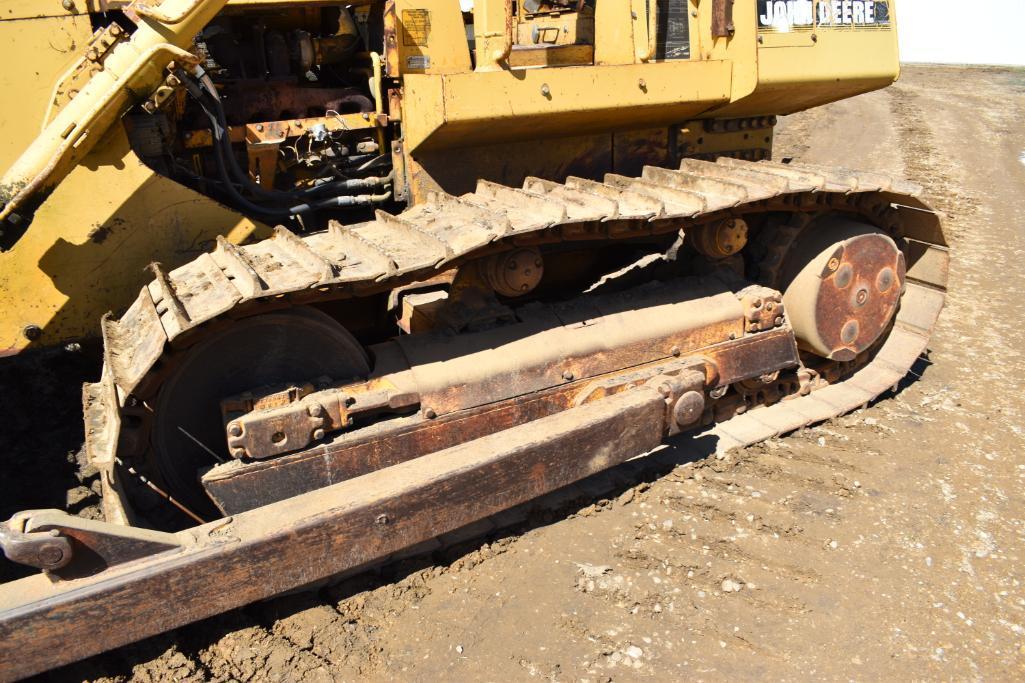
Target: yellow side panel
(459, 110)
(431, 37)
(86, 251)
(841, 64)
(37, 52)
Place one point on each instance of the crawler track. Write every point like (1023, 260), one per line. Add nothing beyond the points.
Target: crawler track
(180, 307)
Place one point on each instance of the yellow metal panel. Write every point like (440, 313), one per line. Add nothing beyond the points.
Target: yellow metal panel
(843, 63)
(29, 9)
(614, 32)
(27, 82)
(91, 241)
(473, 108)
(431, 37)
(551, 55)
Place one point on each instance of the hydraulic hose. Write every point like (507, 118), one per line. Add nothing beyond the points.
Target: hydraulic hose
(229, 169)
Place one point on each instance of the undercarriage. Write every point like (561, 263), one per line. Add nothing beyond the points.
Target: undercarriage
(537, 335)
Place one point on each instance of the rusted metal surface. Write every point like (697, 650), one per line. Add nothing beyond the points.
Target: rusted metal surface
(722, 19)
(47, 551)
(563, 343)
(287, 128)
(240, 486)
(845, 294)
(44, 624)
(263, 141)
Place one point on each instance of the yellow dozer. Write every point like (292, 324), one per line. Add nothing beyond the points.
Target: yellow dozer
(366, 273)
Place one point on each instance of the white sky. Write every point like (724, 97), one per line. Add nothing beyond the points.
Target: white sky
(962, 31)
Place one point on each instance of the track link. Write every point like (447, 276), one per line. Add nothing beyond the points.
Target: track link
(179, 306)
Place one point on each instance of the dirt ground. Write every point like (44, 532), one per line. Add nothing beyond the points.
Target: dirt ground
(884, 544)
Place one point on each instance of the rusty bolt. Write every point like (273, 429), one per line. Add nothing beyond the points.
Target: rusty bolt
(718, 392)
(833, 264)
(51, 556)
(429, 413)
(31, 332)
(238, 452)
(733, 335)
(259, 128)
(778, 321)
(664, 389)
(382, 519)
(234, 429)
(885, 279)
(675, 351)
(567, 375)
(115, 29)
(545, 90)
(769, 306)
(316, 410)
(844, 275)
(757, 303)
(849, 332)
(688, 408)
(92, 55)
(861, 297)
(318, 434)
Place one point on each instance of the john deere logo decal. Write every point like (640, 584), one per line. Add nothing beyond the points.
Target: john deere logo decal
(795, 15)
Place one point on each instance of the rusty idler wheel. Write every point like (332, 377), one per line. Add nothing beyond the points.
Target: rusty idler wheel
(293, 345)
(841, 286)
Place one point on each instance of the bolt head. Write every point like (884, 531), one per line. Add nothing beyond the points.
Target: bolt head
(430, 414)
(68, 5)
(318, 434)
(567, 375)
(50, 556)
(32, 332)
(849, 333)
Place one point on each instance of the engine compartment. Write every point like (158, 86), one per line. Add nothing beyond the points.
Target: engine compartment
(286, 122)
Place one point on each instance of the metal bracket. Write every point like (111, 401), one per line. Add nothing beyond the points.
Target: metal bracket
(72, 547)
(722, 19)
(42, 550)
